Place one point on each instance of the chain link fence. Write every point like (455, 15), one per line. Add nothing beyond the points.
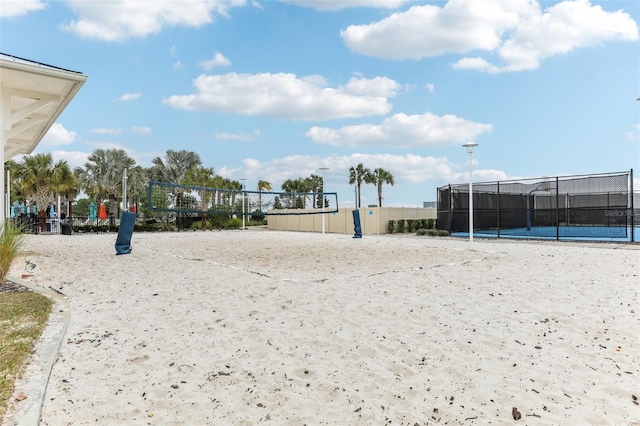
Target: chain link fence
(600, 207)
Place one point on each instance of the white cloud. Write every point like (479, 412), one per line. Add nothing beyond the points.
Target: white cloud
(129, 97)
(518, 32)
(177, 65)
(430, 87)
(478, 64)
(14, 8)
(173, 51)
(242, 136)
(633, 135)
(377, 86)
(105, 131)
(563, 28)
(403, 131)
(284, 96)
(333, 5)
(256, 4)
(73, 158)
(218, 60)
(423, 31)
(58, 135)
(409, 169)
(141, 130)
(119, 20)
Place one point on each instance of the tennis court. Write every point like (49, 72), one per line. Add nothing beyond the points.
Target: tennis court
(562, 233)
(597, 207)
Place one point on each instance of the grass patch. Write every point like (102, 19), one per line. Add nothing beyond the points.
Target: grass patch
(23, 317)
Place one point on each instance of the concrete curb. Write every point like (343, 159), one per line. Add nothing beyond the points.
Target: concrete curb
(47, 353)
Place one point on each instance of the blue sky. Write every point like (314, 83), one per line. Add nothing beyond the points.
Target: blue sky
(274, 90)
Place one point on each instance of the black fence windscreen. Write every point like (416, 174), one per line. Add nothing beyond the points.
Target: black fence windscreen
(587, 207)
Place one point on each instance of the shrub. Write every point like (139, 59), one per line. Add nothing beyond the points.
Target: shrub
(234, 223)
(411, 225)
(391, 226)
(401, 226)
(432, 232)
(11, 243)
(257, 216)
(197, 225)
(218, 221)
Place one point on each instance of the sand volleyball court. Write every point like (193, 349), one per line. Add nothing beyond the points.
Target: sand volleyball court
(261, 327)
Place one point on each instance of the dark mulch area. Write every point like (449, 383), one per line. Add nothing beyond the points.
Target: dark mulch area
(7, 286)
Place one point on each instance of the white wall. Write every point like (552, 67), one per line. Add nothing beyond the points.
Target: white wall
(373, 220)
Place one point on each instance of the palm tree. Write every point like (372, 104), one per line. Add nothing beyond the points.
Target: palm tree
(138, 185)
(236, 187)
(175, 165)
(217, 183)
(173, 169)
(379, 177)
(315, 185)
(356, 176)
(263, 185)
(39, 177)
(289, 187)
(227, 195)
(295, 188)
(68, 187)
(102, 176)
(202, 177)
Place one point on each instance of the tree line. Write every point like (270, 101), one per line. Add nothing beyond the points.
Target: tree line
(38, 180)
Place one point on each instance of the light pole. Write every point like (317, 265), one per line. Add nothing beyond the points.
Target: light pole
(242, 180)
(124, 191)
(322, 170)
(470, 146)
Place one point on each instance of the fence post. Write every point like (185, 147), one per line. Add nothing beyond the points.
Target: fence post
(633, 212)
(498, 214)
(450, 210)
(558, 210)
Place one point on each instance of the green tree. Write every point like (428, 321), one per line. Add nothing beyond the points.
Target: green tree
(276, 203)
(263, 185)
(102, 176)
(82, 207)
(39, 176)
(175, 165)
(296, 189)
(202, 177)
(235, 187)
(379, 177)
(68, 188)
(173, 169)
(356, 176)
(137, 187)
(314, 183)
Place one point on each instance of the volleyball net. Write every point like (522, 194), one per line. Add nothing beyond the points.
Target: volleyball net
(174, 198)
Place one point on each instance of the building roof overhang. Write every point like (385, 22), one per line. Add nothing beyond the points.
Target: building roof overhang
(33, 96)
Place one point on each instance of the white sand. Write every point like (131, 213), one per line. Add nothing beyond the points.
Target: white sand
(248, 327)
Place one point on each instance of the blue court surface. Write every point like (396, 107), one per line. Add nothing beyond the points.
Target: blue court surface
(563, 233)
